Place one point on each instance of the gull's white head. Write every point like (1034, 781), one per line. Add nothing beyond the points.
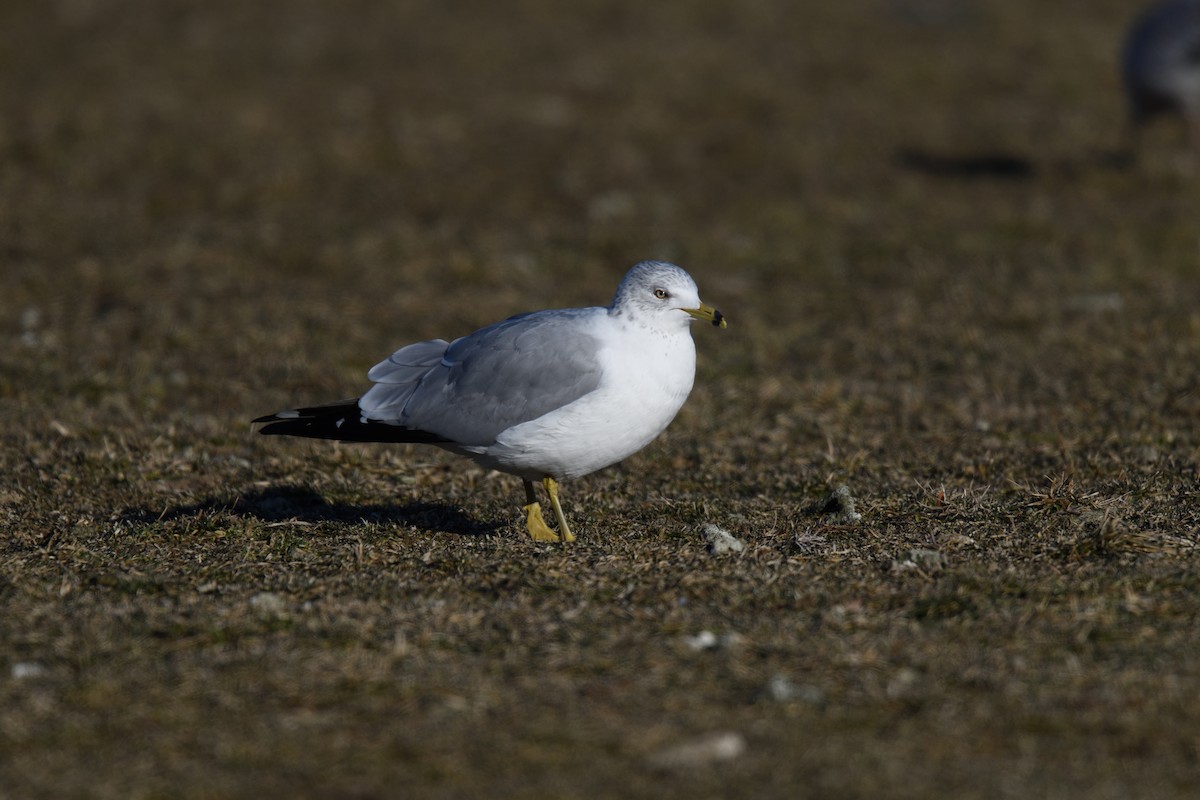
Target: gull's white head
(661, 294)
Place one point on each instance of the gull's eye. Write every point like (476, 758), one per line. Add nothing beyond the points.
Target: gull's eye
(661, 294)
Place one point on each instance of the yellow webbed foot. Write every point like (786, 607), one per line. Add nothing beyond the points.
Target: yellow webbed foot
(538, 528)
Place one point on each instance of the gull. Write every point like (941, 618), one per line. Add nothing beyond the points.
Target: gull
(1161, 65)
(545, 396)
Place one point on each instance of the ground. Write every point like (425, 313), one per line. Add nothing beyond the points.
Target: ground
(946, 293)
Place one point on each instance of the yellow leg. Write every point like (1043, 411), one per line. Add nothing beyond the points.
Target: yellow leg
(552, 490)
(538, 528)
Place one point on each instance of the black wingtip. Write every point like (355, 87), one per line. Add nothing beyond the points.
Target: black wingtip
(284, 427)
(342, 422)
(320, 422)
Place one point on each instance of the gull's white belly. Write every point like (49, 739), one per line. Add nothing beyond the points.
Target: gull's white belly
(644, 385)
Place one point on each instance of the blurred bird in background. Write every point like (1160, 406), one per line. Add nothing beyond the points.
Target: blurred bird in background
(1161, 67)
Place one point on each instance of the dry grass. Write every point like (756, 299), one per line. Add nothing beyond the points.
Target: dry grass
(942, 295)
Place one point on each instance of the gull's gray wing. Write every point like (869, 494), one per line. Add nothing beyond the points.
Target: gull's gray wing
(408, 365)
(397, 377)
(500, 376)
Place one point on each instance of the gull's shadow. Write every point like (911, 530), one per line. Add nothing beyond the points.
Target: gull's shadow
(292, 503)
(973, 166)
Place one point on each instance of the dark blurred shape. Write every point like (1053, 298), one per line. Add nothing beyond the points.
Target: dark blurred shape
(1160, 66)
(979, 165)
(1117, 158)
(934, 14)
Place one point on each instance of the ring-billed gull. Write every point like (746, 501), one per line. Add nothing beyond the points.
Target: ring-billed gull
(546, 396)
(1161, 64)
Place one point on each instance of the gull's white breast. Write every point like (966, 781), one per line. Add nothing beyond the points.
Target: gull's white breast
(647, 375)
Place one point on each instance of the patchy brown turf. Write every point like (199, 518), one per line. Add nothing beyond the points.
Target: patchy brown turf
(942, 293)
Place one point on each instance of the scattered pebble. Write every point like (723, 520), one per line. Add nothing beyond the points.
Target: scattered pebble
(703, 751)
(23, 670)
(269, 604)
(920, 559)
(721, 541)
(839, 503)
(707, 640)
(31, 320)
(903, 683)
(781, 689)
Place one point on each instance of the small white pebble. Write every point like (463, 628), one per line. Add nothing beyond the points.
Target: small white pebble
(920, 559)
(704, 640)
(707, 640)
(268, 604)
(903, 683)
(702, 751)
(840, 505)
(721, 541)
(27, 669)
(781, 689)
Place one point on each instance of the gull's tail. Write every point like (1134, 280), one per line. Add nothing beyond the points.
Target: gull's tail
(341, 421)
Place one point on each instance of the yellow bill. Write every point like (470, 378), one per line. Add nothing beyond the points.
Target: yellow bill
(708, 314)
